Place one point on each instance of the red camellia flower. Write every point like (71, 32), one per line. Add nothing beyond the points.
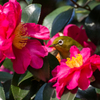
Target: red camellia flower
(15, 41)
(77, 34)
(75, 71)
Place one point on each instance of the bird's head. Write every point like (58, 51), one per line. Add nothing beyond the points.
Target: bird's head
(63, 44)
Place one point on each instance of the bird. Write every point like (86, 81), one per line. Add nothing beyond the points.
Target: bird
(63, 44)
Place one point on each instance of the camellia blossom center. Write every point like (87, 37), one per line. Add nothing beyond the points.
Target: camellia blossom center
(75, 61)
(21, 36)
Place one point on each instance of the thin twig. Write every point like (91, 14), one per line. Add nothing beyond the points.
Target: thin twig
(85, 6)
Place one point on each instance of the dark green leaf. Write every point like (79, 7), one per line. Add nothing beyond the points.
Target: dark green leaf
(29, 1)
(18, 93)
(39, 95)
(89, 94)
(2, 94)
(77, 99)
(48, 21)
(31, 13)
(25, 76)
(68, 96)
(4, 76)
(61, 20)
(92, 25)
(53, 62)
(49, 92)
(6, 86)
(42, 73)
(96, 83)
(46, 92)
(8, 64)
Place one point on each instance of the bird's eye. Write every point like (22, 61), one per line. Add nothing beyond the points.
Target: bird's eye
(60, 42)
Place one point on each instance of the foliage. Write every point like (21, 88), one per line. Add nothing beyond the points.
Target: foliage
(33, 84)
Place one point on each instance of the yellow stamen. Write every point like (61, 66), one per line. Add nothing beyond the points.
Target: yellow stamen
(21, 36)
(75, 61)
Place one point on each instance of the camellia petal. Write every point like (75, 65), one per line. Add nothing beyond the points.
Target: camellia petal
(22, 60)
(79, 35)
(15, 38)
(75, 71)
(40, 32)
(36, 48)
(36, 62)
(74, 80)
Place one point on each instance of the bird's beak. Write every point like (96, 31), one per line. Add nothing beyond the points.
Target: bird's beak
(52, 45)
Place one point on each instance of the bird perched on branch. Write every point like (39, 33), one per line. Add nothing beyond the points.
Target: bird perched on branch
(63, 44)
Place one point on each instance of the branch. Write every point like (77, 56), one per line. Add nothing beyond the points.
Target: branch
(85, 6)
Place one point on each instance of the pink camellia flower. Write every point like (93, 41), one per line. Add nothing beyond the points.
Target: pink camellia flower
(15, 43)
(76, 71)
(79, 35)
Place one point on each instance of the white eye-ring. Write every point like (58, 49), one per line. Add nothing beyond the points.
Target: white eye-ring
(60, 42)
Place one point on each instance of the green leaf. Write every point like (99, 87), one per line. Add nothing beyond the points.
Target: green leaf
(92, 25)
(68, 96)
(25, 76)
(46, 92)
(29, 1)
(23, 4)
(48, 21)
(39, 95)
(61, 20)
(77, 99)
(18, 93)
(2, 94)
(6, 86)
(88, 94)
(4, 76)
(49, 92)
(42, 73)
(53, 62)
(97, 90)
(8, 64)
(31, 13)
(93, 4)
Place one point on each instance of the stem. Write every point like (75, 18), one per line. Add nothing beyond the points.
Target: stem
(85, 6)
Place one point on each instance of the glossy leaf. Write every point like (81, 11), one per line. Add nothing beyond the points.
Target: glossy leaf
(92, 25)
(46, 92)
(96, 83)
(18, 93)
(39, 95)
(8, 64)
(49, 92)
(31, 13)
(29, 1)
(42, 73)
(68, 96)
(6, 86)
(53, 62)
(88, 94)
(61, 20)
(25, 76)
(4, 76)
(49, 19)
(2, 94)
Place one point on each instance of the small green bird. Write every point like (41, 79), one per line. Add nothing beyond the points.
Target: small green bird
(63, 44)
